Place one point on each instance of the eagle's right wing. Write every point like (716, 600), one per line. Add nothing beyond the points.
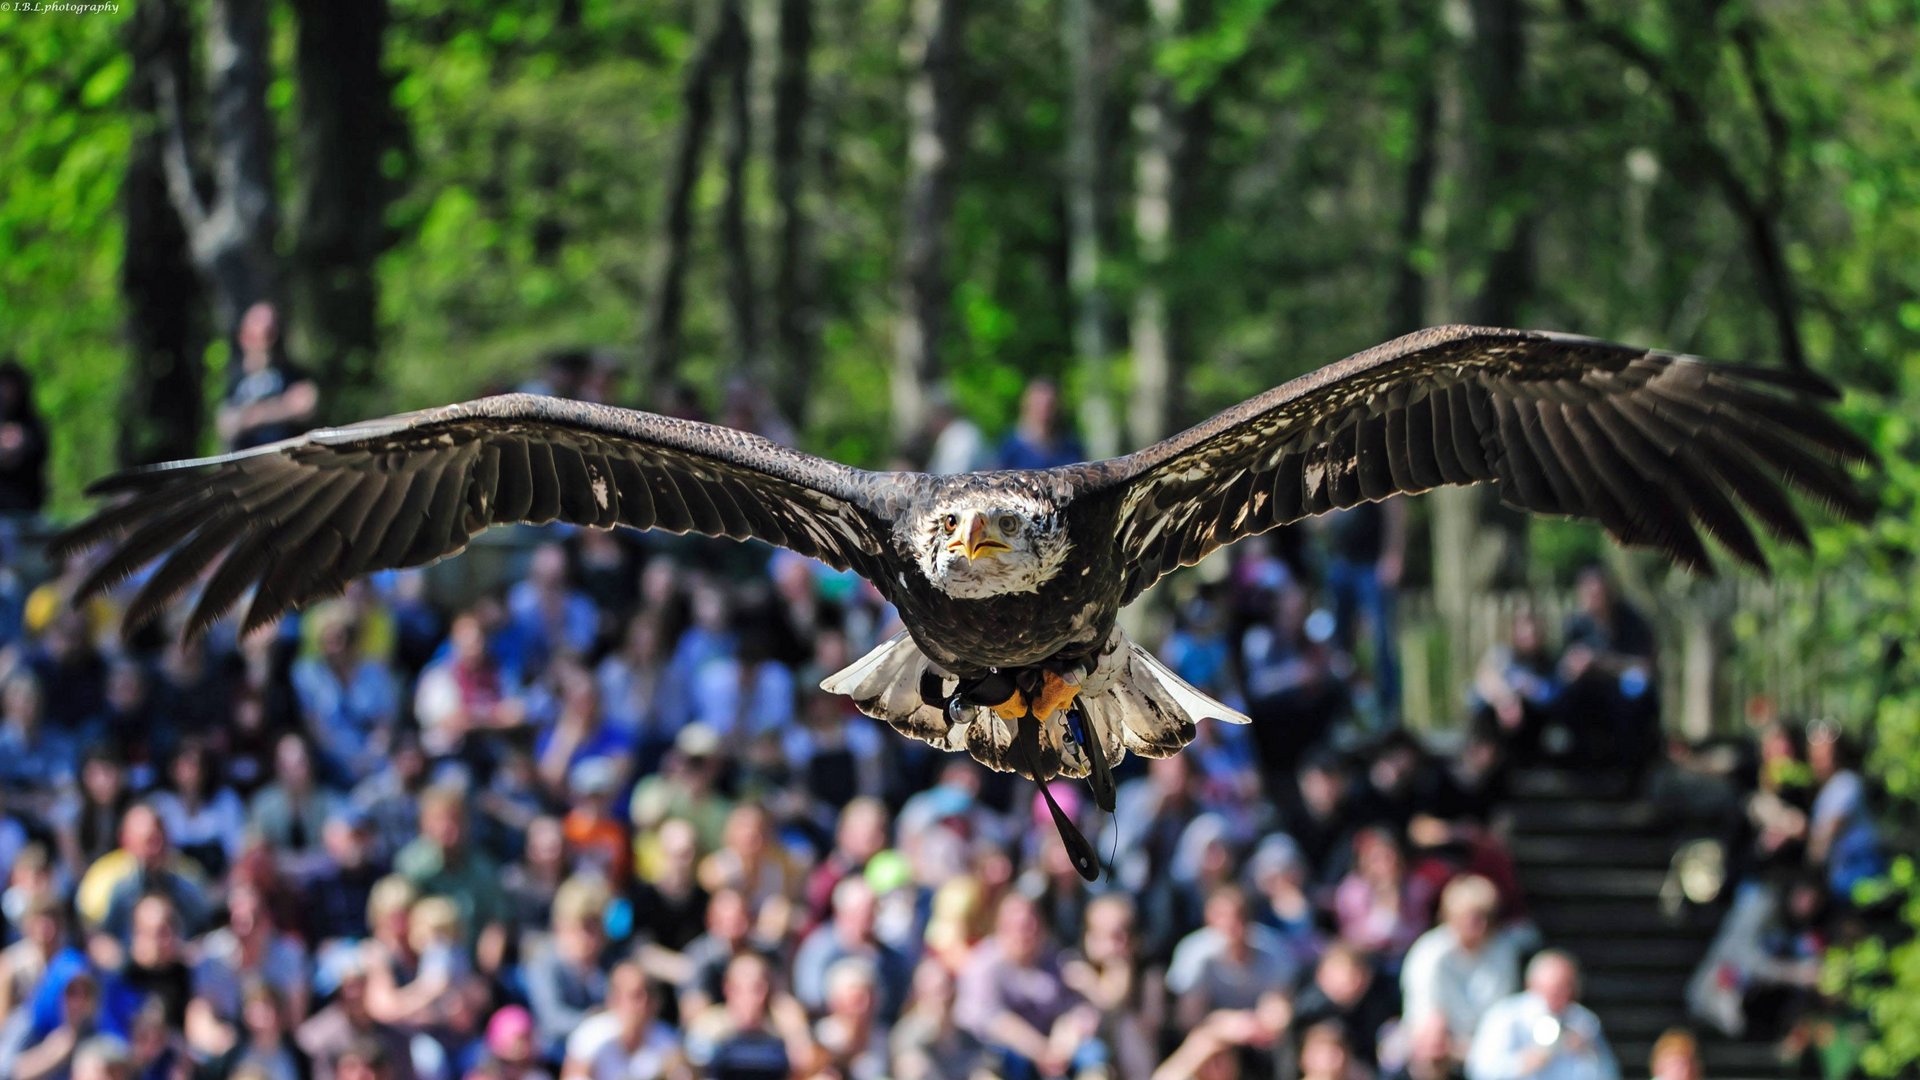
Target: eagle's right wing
(1653, 446)
(303, 517)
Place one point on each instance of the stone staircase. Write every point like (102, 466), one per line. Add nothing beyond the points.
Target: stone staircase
(1592, 859)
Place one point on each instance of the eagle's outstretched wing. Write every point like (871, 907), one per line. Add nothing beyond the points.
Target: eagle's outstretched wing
(302, 518)
(1653, 446)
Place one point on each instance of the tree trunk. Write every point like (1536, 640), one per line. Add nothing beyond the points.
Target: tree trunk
(1158, 127)
(233, 215)
(347, 124)
(934, 130)
(162, 404)
(793, 320)
(1084, 28)
(660, 354)
(742, 297)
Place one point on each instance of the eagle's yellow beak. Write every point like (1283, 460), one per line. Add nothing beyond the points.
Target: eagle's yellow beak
(980, 545)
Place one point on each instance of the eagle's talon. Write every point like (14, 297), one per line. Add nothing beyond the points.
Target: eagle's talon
(1056, 694)
(1011, 709)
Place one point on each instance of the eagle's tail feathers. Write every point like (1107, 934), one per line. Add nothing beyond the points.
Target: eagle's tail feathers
(885, 684)
(1154, 710)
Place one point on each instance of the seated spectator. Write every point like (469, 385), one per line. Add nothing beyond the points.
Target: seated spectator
(145, 864)
(250, 948)
(1543, 1031)
(154, 968)
(687, 787)
(1842, 839)
(32, 1053)
(23, 444)
(329, 1033)
(1462, 967)
(390, 798)
(640, 700)
(265, 1046)
(754, 1032)
(71, 671)
(1326, 1053)
(849, 933)
(1676, 1056)
(1313, 811)
(31, 752)
(270, 398)
(127, 721)
(752, 861)
(387, 954)
(1612, 689)
(1346, 987)
(927, 1043)
(552, 617)
(291, 813)
(44, 947)
(1379, 906)
(1431, 1052)
(1228, 964)
(337, 894)
(851, 1036)
(1516, 688)
(511, 1052)
(442, 862)
(465, 691)
(349, 701)
(860, 833)
(627, 1039)
(562, 972)
(434, 934)
(595, 837)
(1106, 972)
(670, 910)
(1762, 972)
(88, 819)
(204, 818)
(729, 934)
(1279, 877)
(1012, 998)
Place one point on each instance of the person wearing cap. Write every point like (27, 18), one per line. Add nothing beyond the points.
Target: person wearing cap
(1462, 967)
(1543, 1033)
(510, 1050)
(686, 787)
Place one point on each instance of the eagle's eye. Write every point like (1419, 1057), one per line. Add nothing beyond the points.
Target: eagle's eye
(951, 523)
(1009, 524)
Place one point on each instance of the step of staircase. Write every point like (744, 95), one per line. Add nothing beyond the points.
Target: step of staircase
(1592, 859)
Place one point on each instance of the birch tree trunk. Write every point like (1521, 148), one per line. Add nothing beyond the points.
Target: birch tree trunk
(162, 403)
(935, 122)
(1084, 29)
(231, 215)
(1157, 122)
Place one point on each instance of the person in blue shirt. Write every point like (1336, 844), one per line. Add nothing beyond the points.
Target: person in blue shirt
(1040, 440)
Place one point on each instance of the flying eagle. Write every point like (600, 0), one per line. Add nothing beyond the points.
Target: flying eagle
(1009, 583)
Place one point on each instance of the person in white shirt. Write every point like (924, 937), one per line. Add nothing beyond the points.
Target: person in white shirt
(1463, 966)
(1543, 1033)
(628, 1039)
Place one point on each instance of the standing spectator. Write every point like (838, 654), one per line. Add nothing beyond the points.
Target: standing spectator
(1040, 440)
(955, 444)
(23, 449)
(1460, 968)
(1012, 998)
(1367, 552)
(1611, 695)
(270, 399)
(1543, 1032)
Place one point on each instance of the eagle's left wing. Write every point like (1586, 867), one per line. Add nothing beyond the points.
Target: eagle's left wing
(297, 520)
(1651, 445)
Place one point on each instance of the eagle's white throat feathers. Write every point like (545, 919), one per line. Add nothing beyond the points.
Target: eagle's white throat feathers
(1027, 545)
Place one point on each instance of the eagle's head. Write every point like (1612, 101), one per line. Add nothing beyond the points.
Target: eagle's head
(984, 543)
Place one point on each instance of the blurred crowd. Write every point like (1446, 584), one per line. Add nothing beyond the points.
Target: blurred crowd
(598, 822)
